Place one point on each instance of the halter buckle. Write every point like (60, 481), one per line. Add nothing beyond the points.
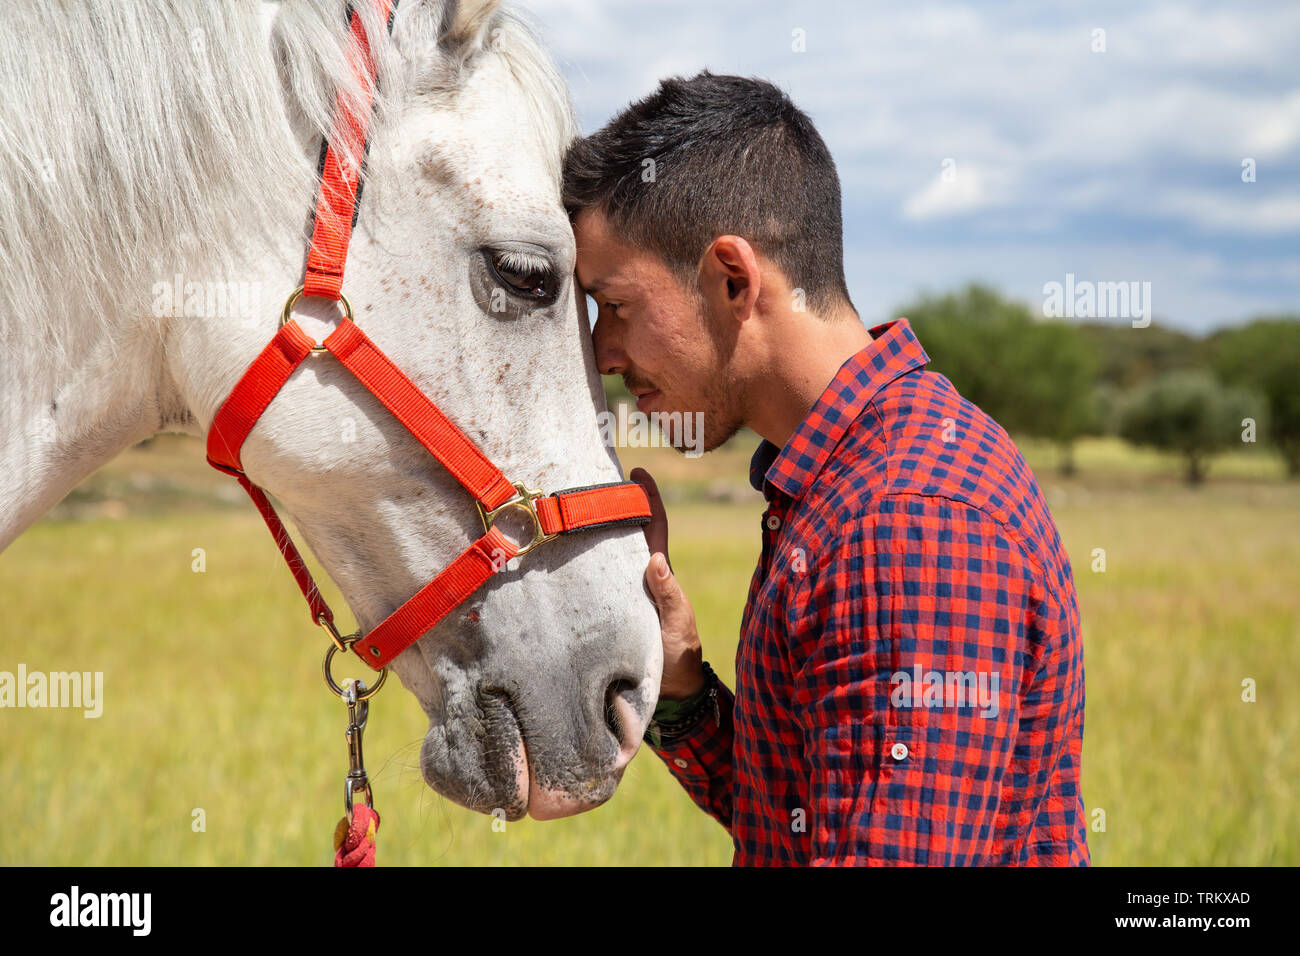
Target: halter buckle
(525, 501)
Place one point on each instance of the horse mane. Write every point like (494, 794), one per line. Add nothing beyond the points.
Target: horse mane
(139, 138)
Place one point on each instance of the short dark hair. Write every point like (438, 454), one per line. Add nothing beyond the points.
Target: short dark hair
(717, 155)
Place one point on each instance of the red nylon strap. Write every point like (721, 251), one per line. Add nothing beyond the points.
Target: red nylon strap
(292, 557)
(422, 418)
(260, 383)
(587, 508)
(341, 172)
(431, 603)
(584, 509)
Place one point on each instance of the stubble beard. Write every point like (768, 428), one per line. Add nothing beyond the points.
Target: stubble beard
(721, 418)
(721, 413)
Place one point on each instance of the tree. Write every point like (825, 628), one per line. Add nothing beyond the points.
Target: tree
(1033, 376)
(1189, 413)
(1129, 357)
(1265, 356)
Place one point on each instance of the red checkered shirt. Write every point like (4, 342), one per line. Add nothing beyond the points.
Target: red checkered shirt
(909, 678)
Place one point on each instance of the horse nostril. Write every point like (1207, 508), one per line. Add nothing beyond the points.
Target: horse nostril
(614, 716)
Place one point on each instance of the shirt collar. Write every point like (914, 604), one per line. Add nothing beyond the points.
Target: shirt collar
(894, 351)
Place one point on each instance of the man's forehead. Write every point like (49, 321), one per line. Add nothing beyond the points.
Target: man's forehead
(605, 259)
(598, 250)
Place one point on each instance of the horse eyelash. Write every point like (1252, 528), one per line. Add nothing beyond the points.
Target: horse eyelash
(516, 261)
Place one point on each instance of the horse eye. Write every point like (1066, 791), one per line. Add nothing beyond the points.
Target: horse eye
(524, 275)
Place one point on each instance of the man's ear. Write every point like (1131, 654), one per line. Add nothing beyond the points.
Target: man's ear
(730, 277)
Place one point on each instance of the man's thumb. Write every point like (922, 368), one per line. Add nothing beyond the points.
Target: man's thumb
(663, 585)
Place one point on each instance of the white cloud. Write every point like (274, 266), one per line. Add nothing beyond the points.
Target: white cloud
(955, 191)
(1240, 214)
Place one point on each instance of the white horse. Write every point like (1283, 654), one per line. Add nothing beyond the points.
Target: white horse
(157, 168)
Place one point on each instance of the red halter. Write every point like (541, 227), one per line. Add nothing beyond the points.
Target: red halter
(599, 506)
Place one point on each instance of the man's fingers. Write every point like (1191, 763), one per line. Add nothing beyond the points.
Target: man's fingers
(667, 593)
(656, 532)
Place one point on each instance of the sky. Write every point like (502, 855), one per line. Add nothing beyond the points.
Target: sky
(1010, 143)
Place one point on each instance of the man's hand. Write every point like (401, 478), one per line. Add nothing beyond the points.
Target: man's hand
(683, 676)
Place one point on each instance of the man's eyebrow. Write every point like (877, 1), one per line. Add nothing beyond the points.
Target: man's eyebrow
(597, 285)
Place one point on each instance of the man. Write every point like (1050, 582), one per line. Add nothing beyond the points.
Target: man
(909, 679)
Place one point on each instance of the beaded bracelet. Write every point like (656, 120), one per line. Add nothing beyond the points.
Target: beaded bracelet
(674, 718)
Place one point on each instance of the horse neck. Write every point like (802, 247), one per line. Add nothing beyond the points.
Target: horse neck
(70, 410)
(113, 380)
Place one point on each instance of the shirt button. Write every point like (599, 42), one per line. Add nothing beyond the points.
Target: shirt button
(681, 763)
(899, 751)
(773, 522)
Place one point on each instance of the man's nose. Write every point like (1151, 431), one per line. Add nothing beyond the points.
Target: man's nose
(610, 357)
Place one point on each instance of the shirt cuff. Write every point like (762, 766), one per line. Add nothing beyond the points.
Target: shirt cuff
(674, 719)
(704, 750)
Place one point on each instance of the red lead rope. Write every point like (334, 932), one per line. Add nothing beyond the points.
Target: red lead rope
(619, 503)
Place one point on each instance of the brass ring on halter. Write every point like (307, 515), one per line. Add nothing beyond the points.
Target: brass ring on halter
(295, 295)
(526, 501)
(329, 678)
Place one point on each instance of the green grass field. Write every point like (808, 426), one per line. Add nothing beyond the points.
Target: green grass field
(213, 698)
